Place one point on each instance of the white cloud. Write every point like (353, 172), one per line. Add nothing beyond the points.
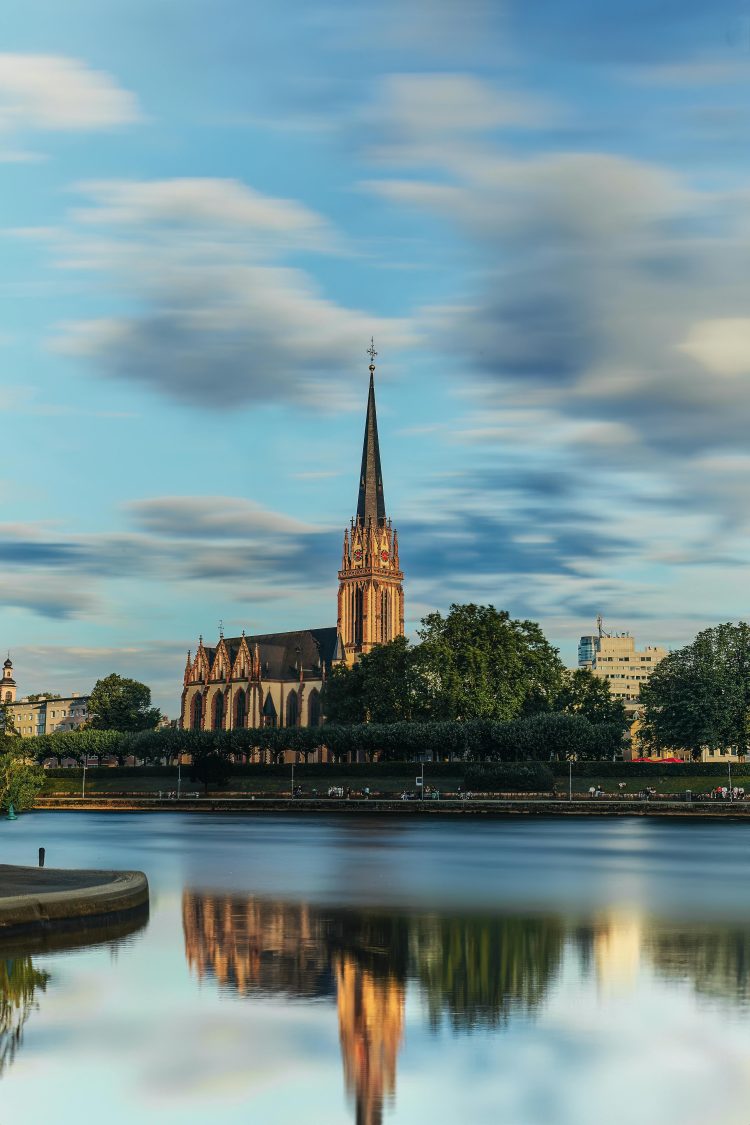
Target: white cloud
(203, 203)
(53, 92)
(722, 345)
(411, 105)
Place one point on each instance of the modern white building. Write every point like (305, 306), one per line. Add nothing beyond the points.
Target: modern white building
(615, 658)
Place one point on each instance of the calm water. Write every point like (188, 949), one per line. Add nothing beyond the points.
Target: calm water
(540, 973)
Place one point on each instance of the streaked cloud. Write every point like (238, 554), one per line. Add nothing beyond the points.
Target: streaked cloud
(225, 321)
(212, 517)
(54, 92)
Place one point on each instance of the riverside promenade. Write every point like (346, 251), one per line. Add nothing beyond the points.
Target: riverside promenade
(377, 806)
(34, 899)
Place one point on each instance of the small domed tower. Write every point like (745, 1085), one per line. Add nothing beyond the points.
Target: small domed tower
(8, 690)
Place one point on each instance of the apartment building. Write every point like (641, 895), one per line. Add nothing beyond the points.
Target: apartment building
(32, 717)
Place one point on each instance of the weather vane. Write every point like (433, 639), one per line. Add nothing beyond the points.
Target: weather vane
(221, 627)
(371, 350)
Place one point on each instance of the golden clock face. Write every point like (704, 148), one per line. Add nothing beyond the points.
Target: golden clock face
(357, 556)
(384, 556)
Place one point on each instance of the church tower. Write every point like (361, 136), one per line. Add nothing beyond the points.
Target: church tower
(371, 593)
(8, 683)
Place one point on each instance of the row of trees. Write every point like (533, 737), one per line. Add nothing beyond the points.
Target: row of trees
(543, 737)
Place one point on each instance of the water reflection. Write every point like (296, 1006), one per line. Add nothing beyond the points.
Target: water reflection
(21, 982)
(471, 972)
(475, 971)
(256, 946)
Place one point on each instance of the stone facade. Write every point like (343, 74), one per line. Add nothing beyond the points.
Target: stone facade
(269, 680)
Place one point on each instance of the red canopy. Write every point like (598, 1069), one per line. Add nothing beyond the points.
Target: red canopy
(660, 761)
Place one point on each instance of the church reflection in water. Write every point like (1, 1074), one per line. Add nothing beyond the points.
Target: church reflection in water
(261, 947)
(472, 972)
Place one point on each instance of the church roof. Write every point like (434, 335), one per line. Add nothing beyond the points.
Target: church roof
(281, 654)
(371, 501)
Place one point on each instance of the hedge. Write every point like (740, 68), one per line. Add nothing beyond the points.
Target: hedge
(432, 770)
(532, 777)
(649, 769)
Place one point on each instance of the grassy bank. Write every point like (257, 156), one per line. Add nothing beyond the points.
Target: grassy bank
(273, 781)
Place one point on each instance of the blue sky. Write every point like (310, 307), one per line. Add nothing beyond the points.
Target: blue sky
(539, 211)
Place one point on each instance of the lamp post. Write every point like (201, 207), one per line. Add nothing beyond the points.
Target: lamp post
(292, 778)
(570, 780)
(83, 786)
(179, 774)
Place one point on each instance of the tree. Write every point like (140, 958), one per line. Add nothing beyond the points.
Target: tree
(117, 703)
(699, 696)
(384, 686)
(343, 694)
(20, 780)
(7, 721)
(583, 693)
(210, 767)
(479, 663)
(42, 695)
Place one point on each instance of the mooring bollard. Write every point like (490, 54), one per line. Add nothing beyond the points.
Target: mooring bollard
(41, 857)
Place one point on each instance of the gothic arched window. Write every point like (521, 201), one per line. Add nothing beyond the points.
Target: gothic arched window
(218, 711)
(196, 717)
(313, 708)
(269, 712)
(292, 709)
(240, 709)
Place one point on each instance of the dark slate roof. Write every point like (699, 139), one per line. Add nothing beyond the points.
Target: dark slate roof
(279, 656)
(371, 500)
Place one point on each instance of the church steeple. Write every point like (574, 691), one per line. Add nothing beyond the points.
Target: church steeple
(371, 596)
(371, 501)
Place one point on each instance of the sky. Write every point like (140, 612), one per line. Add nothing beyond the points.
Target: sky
(541, 213)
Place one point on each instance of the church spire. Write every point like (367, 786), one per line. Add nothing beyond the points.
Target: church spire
(371, 501)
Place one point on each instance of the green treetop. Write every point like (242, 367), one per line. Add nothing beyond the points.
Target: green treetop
(479, 663)
(583, 693)
(699, 696)
(117, 703)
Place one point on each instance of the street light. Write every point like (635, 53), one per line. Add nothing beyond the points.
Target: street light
(83, 787)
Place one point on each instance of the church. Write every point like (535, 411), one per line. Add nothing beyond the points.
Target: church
(276, 679)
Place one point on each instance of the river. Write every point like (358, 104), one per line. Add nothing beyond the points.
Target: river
(362, 971)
